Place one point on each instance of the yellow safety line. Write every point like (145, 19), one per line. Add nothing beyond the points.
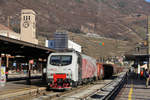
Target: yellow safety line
(130, 93)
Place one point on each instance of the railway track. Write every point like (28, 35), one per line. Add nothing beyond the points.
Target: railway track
(32, 94)
(79, 93)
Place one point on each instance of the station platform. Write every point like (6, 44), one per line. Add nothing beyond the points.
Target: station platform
(134, 89)
(18, 76)
(16, 88)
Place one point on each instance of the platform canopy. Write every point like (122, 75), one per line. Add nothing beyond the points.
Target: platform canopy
(140, 57)
(20, 48)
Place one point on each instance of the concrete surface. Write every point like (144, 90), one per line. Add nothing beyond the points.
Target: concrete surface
(134, 89)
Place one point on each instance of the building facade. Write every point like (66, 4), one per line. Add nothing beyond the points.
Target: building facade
(5, 31)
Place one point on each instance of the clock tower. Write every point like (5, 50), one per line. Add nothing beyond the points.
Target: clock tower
(28, 26)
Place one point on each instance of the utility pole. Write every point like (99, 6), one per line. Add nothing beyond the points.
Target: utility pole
(148, 39)
(8, 21)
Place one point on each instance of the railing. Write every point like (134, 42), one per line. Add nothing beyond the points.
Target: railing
(116, 89)
(110, 90)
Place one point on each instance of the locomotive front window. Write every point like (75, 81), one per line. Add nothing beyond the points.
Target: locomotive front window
(60, 60)
(55, 60)
(66, 60)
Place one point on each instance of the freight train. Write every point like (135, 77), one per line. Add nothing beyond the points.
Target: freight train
(70, 69)
(107, 70)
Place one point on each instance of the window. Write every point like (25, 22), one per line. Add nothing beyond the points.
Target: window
(66, 60)
(24, 17)
(51, 44)
(60, 60)
(55, 60)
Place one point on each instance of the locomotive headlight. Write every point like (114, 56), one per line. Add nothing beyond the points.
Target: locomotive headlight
(50, 75)
(69, 75)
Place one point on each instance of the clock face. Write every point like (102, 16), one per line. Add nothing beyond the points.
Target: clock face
(26, 24)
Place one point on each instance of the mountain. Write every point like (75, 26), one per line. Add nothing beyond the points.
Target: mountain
(109, 18)
(119, 19)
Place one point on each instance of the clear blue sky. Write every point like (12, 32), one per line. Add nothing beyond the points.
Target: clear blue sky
(147, 1)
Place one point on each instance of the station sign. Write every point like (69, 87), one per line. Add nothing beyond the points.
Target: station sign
(14, 64)
(2, 76)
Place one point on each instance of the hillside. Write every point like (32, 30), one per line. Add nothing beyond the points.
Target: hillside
(119, 19)
(91, 46)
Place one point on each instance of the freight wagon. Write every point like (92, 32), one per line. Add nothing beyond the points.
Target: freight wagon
(107, 70)
(100, 71)
(69, 69)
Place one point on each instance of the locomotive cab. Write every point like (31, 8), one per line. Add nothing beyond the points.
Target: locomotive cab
(61, 70)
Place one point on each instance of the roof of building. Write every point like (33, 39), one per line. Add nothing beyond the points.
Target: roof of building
(22, 48)
(140, 57)
(27, 11)
(2, 27)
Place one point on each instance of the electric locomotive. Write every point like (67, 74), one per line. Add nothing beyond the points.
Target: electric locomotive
(69, 69)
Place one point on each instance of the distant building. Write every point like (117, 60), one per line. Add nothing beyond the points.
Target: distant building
(5, 31)
(28, 26)
(88, 28)
(70, 45)
(49, 44)
(60, 40)
(41, 40)
(75, 46)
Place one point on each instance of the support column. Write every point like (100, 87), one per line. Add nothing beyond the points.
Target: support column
(41, 66)
(0, 69)
(7, 61)
(21, 69)
(29, 73)
(7, 65)
(0, 61)
(0, 65)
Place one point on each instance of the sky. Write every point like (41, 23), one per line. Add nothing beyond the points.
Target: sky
(147, 1)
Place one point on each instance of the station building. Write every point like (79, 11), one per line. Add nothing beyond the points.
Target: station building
(5, 31)
(27, 26)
